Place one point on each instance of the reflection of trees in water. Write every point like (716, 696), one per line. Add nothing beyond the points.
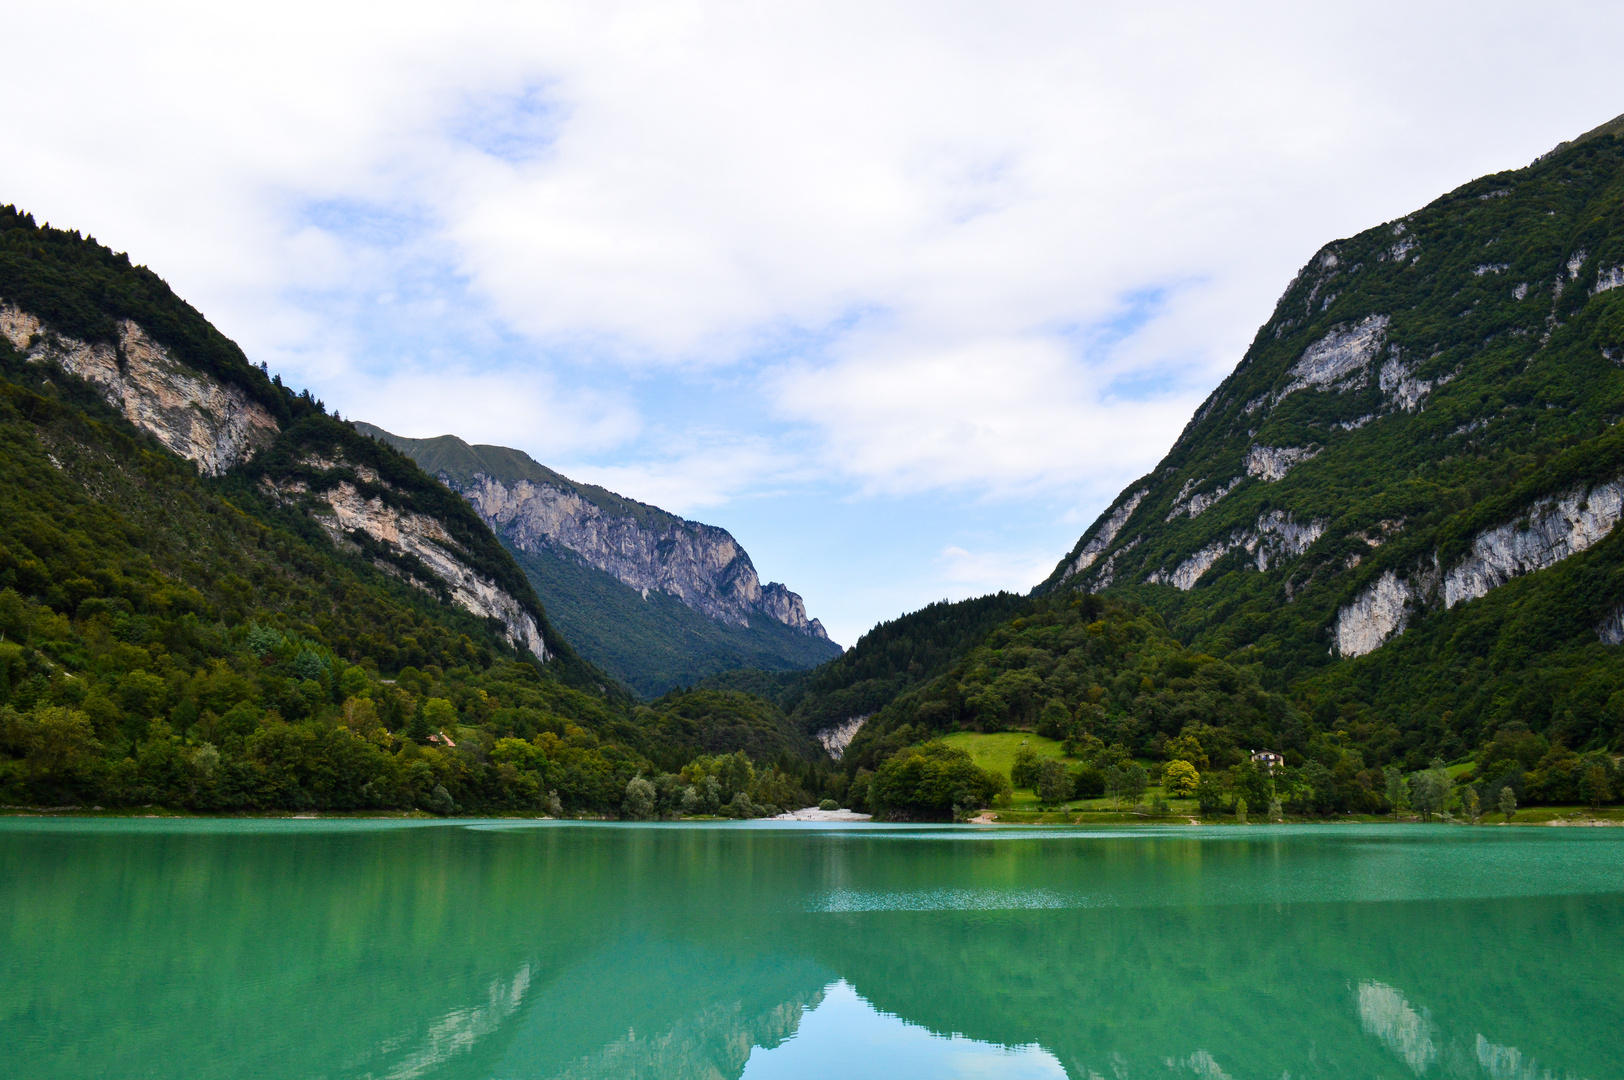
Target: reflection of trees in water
(1251, 990)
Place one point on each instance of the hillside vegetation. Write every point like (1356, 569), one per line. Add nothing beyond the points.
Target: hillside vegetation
(217, 644)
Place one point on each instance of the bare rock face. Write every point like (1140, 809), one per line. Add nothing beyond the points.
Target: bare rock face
(1342, 354)
(836, 739)
(701, 565)
(1549, 531)
(1272, 539)
(1376, 615)
(1107, 532)
(1271, 463)
(347, 509)
(200, 418)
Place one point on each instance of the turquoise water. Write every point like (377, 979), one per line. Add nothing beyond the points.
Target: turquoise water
(499, 950)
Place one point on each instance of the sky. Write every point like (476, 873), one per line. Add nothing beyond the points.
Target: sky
(902, 294)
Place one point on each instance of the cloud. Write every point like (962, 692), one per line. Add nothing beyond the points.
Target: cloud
(989, 571)
(1006, 415)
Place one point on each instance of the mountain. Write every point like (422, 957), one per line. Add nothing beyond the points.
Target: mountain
(1388, 537)
(216, 595)
(1403, 500)
(658, 601)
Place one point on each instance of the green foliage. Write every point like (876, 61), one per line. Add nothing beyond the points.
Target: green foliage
(927, 782)
(1053, 782)
(1181, 778)
(893, 657)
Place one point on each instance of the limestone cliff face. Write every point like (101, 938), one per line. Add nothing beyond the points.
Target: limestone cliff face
(1549, 531)
(343, 509)
(534, 509)
(200, 418)
(701, 565)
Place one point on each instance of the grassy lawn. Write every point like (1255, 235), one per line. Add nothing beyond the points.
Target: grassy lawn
(996, 752)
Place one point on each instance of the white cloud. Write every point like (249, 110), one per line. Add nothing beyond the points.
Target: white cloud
(989, 571)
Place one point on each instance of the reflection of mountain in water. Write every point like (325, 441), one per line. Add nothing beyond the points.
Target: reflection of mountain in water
(659, 1009)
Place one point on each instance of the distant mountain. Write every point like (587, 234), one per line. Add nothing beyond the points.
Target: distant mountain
(658, 601)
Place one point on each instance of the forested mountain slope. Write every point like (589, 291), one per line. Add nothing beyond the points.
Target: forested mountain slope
(214, 594)
(658, 601)
(1401, 505)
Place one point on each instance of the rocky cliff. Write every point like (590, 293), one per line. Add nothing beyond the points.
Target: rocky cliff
(350, 499)
(203, 419)
(658, 600)
(701, 565)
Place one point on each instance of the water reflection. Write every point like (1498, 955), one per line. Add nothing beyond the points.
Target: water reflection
(369, 950)
(845, 1036)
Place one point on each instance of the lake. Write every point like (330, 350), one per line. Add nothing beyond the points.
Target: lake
(254, 949)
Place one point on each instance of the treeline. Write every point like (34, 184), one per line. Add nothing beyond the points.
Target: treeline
(1105, 676)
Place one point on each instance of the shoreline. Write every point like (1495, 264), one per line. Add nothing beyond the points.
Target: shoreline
(1555, 816)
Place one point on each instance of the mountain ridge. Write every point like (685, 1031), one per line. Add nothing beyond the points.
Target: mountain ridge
(563, 533)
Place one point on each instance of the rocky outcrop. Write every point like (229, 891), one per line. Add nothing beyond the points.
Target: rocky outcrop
(1341, 355)
(1107, 532)
(206, 421)
(1274, 537)
(1379, 613)
(701, 565)
(1549, 532)
(343, 509)
(1271, 463)
(1199, 503)
(1400, 386)
(836, 739)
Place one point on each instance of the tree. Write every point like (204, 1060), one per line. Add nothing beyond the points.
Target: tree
(1594, 786)
(1054, 721)
(1024, 772)
(1470, 803)
(1398, 789)
(1180, 778)
(1134, 780)
(1209, 795)
(928, 781)
(1054, 782)
(1276, 814)
(1508, 801)
(1187, 747)
(441, 715)
(639, 803)
(1240, 809)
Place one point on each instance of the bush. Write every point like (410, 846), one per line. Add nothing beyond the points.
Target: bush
(828, 804)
